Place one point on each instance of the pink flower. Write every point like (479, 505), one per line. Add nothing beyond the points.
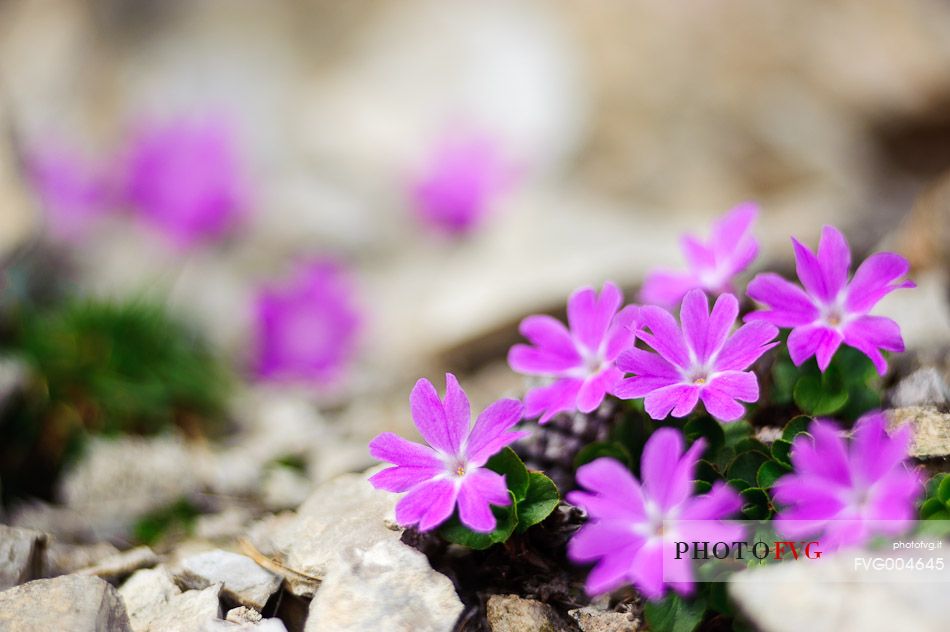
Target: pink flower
(831, 310)
(307, 329)
(632, 527)
(711, 265)
(185, 179)
(449, 470)
(455, 193)
(848, 495)
(72, 190)
(700, 362)
(580, 361)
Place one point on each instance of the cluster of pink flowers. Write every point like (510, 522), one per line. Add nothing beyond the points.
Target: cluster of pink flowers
(675, 364)
(184, 178)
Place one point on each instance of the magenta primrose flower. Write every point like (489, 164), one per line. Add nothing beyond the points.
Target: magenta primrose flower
(632, 527)
(830, 309)
(73, 190)
(701, 362)
(712, 265)
(449, 470)
(580, 361)
(186, 179)
(456, 191)
(308, 328)
(848, 494)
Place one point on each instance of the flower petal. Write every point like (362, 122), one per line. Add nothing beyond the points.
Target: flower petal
(600, 538)
(834, 255)
(745, 346)
(680, 399)
(645, 363)
(721, 319)
(553, 352)
(666, 288)
(491, 431)
(721, 392)
(665, 336)
(612, 571)
(427, 505)
(670, 484)
(614, 484)
(640, 386)
(550, 400)
(589, 315)
(720, 502)
(732, 238)
(429, 416)
(458, 412)
(822, 342)
(868, 334)
(403, 478)
(596, 387)
(646, 569)
(810, 273)
(789, 305)
(480, 490)
(622, 333)
(823, 454)
(694, 318)
(874, 279)
(873, 452)
(394, 449)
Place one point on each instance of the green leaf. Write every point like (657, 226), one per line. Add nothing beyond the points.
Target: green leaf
(755, 504)
(746, 465)
(599, 449)
(738, 484)
(932, 507)
(675, 614)
(707, 428)
(454, 531)
(736, 431)
(769, 472)
(795, 426)
(781, 451)
(706, 471)
(542, 498)
(943, 490)
(784, 375)
(701, 487)
(516, 474)
(819, 396)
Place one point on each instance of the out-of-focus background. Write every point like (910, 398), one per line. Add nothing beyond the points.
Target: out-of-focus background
(235, 232)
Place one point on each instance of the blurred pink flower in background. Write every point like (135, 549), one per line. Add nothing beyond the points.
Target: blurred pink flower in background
(185, 178)
(455, 191)
(848, 492)
(711, 265)
(73, 189)
(308, 327)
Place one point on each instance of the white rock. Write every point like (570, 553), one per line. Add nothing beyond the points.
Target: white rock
(343, 514)
(387, 587)
(156, 604)
(70, 603)
(120, 480)
(241, 579)
(121, 565)
(21, 555)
